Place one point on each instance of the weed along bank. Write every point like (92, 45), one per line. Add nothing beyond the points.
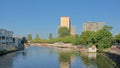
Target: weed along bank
(9, 43)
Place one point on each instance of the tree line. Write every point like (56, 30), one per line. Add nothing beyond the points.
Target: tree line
(102, 38)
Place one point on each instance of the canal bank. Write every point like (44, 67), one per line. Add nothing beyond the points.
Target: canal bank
(107, 57)
(114, 57)
(10, 50)
(114, 54)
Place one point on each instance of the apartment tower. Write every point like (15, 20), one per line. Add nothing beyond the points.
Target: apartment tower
(73, 30)
(65, 22)
(92, 26)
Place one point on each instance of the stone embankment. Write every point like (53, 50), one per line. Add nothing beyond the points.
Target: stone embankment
(114, 57)
(10, 50)
(114, 54)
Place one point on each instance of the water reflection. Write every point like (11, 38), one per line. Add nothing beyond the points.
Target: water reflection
(46, 57)
(92, 55)
(6, 61)
(93, 60)
(88, 60)
(65, 58)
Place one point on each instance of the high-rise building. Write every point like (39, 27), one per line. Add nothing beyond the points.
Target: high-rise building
(65, 22)
(73, 30)
(92, 26)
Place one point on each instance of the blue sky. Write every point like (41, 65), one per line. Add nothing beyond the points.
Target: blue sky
(43, 16)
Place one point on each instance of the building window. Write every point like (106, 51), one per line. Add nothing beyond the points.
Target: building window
(3, 43)
(13, 40)
(3, 38)
(6, 43)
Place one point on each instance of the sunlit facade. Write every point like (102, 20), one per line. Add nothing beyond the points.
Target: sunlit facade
(65, 22)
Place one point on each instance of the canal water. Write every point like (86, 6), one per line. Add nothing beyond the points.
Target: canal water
(48, 57)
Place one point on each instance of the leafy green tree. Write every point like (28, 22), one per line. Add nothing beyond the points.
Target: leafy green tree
(37, 39)
(29, 37)
(63, 32)
(106, 27)
(24, 40)
(67, 39)
(87, 38)
(50, 36)
(117, 38)
(75, 40)
(103, 39)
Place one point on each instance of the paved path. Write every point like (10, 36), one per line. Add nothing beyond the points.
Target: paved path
(115, 50)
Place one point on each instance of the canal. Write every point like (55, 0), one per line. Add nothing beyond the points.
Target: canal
(48, 57)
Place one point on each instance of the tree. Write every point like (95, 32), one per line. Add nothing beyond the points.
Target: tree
(24, 40)
(106, 27)
(29, 37)
(103, 39)
(76, 40)
(117, 38)
(37, 38)
(67, 39)
(87, 38)
(63, 31)
(50, 36)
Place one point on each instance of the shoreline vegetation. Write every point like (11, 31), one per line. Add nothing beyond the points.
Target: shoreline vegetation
(86, 39)
(99, 40)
